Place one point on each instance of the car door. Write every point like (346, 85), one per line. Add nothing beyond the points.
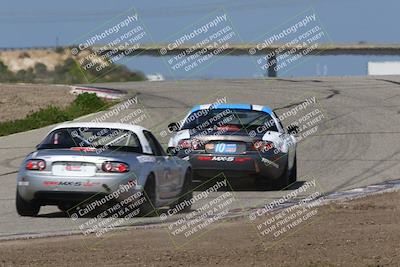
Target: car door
(168, 168)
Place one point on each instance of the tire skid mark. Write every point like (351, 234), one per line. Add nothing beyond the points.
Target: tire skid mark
(235, 214)
(182, 104)
(8, 173)
(21, 147)
(352, 145)
(7, 163)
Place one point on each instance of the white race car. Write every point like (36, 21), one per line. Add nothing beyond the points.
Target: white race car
(77, 162)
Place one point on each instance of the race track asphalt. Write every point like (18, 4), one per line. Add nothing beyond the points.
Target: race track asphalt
(356, 143)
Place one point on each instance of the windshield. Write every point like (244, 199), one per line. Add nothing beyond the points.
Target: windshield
(242, 119)
(97, 138)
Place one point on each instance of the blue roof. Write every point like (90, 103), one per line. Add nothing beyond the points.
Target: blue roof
(195, 108)
(233, 106)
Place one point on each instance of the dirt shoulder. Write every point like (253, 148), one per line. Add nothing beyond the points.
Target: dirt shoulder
(18, 100)
(363, 232)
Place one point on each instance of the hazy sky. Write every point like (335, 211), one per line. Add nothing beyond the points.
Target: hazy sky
(42, 22)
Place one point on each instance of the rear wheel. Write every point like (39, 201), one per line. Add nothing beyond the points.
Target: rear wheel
(283, 181)
(148, 207)
(65, 207)
(26, 208)
(186, 193)
(293, 171)
(261, 183)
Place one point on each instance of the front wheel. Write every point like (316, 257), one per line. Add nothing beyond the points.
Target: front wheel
(26, 208)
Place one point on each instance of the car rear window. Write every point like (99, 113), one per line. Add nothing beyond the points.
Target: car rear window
(98, 138)
(243, 119)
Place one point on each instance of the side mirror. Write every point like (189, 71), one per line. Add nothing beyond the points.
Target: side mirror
(293, 129)
(173, 127)
(37, 146)
(171, 151)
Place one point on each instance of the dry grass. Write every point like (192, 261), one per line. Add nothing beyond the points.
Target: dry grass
(17, 101)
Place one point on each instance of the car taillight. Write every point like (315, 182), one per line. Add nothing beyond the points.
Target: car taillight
(193, 144)
(263, 146)
(110, 166)
(35, 165)
(185, 143)
(241, 160)
(202, 158)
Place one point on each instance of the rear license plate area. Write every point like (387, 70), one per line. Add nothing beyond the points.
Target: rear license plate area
(73, 169)
(222, 148)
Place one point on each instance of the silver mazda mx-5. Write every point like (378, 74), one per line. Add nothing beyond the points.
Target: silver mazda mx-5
(79, 161)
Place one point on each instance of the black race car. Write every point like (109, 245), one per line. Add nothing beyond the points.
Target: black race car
(240, 140)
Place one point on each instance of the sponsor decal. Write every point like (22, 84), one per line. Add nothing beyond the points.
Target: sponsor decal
(73, 167)
(223, 158)
(210, 146)
(50, 183)
(69, 183)
(90, 184)
(230, 148)
(225, 148)
(269, 162)
(144, 159)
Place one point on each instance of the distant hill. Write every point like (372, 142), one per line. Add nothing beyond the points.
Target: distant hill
(58, 66)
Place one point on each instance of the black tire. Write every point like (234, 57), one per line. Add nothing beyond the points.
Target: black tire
(261, 183)
(66, 207)
(62, 208)
(148, 207)
(186, 193)
(26, 208)
(283, 181)
(293, 171)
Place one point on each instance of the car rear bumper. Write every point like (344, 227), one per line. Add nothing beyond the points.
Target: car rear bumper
(51, 190)
(243, 165)
(62, 197)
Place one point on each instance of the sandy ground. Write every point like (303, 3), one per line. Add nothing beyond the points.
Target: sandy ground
(23, 59)
(363, 232)
(17, 101)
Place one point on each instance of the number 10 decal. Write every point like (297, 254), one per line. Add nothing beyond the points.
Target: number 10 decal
(220, 148)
